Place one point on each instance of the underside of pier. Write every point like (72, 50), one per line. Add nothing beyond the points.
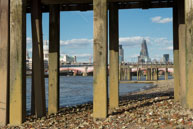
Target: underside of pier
(85, 5)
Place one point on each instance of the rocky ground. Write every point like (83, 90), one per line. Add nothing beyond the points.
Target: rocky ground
(149, 109)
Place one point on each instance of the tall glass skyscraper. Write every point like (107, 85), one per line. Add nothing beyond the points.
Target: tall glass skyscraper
(144, 55)
(121, 54)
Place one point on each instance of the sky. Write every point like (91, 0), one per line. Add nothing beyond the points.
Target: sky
(76, 33)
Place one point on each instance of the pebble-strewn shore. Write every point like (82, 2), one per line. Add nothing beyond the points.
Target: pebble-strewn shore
(149, 109)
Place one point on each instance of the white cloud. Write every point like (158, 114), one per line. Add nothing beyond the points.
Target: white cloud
(137, 40)
(29, 50)
(77, 42)
(162, 41)
(159, 19)
(84, 55)
(169, 48)
(29, 40)
(132, 41)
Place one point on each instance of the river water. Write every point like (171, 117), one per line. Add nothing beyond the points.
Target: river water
(76, 90)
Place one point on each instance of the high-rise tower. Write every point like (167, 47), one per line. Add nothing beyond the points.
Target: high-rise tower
(121, 54)
(144, 55)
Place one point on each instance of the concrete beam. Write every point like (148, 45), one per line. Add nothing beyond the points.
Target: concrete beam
(54, 59)
(17, 62)
(100, 59)
(4, 62)
(38, 61)
(114, 56)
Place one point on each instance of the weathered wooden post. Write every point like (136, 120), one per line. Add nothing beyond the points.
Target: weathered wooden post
(182, 51)
(38, 61)
(100, 109)
(17, 62)
(178, 18)
(4, 59)
(189, 52)
(176, 52)
(54, 59)
(114, 56)
(182, 61)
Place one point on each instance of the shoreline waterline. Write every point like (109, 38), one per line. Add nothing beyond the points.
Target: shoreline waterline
(79, 90)
(151, 108)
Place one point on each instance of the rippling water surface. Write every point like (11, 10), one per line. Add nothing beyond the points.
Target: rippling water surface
(79, 90)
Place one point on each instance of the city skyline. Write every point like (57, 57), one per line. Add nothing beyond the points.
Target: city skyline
(153, 25)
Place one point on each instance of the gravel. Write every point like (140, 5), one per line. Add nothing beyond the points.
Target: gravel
(152, 108)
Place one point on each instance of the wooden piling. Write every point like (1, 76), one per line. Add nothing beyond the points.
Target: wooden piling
(189, 53)
(4, 62)
(182, 51)
(176, 52)
(17, 62)
(37, 57)
(54, 59)
(100, 59)
(114, 56)
(182, 61)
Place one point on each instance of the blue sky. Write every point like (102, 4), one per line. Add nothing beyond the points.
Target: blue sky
(76, 33)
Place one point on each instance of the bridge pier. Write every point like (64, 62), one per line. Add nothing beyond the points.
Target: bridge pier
(155, 74)
(148, 74)
(37, 57)
(85, 73)
(129, 74)
(182, 61)
(114, 56)
(179, 18)
(54, 59)
(166, 73)
(189, 53)
(100, 109)
(4, 65)
(138, 73)
(121, 73)
(74, 73)
(125, 73)
(176, 53)
(17, 62)
(182, 52)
